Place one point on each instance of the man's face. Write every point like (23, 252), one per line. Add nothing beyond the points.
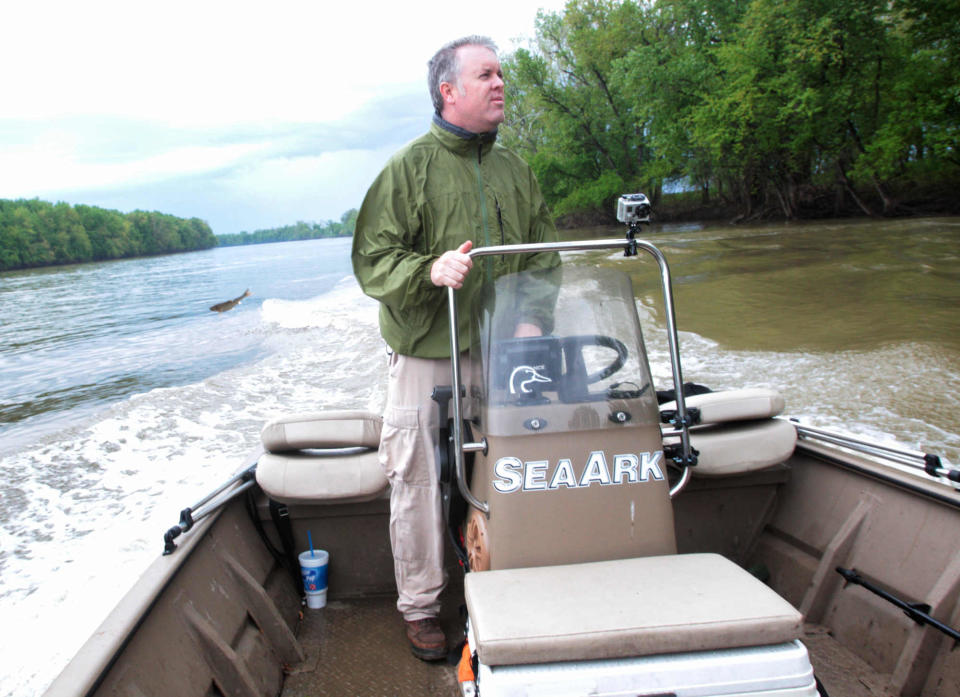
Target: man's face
(476, 104)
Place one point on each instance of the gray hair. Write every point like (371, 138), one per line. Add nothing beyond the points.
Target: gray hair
(445, 66)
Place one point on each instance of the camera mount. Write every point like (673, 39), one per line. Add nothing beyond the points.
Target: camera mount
(634, 210)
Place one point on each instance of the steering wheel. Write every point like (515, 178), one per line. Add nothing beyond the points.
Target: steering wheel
(555, 361)
(573, 351)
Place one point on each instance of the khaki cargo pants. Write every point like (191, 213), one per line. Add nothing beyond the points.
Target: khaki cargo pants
(417, 528)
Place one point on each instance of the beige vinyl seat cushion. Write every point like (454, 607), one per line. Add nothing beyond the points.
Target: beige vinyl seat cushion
(739, 448)
(327, 457)
(628, 607)
(327, 429)
(737, 433)
(733, 405)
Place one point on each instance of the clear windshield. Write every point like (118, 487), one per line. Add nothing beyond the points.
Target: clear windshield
(588, 370)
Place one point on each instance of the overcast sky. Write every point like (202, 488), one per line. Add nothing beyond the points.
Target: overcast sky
(247, 115)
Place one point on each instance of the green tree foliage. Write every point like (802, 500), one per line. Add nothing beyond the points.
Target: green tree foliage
(777, 108)
(922, 109)
(110, 234)
(37, 233)
(292, 233)
(579, 133)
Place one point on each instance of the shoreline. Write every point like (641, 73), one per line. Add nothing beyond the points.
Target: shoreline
(722, 216)
(688, 207)
(717, 214)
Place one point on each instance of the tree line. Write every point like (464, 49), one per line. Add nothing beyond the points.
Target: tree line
(299, 231)
(770, 108)
(38, 233)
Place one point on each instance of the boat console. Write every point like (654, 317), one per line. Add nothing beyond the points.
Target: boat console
(572, 468)
(562, 458)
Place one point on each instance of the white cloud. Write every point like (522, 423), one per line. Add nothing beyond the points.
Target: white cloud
(54, 166)
(280, 191)
(118, 101)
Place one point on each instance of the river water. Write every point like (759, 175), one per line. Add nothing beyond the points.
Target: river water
(124, 399)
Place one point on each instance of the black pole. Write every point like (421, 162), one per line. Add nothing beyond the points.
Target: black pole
(916, 611)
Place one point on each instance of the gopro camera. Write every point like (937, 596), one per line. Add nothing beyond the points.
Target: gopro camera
(633, 208)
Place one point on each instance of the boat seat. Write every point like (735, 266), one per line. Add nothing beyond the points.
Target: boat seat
(326, 457)
(737, 432)
(628, 607)
(732, 405)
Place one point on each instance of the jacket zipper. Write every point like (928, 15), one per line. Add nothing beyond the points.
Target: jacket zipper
(483, 208)
(503, 239)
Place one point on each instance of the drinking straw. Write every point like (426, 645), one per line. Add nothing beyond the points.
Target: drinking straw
(310, 540)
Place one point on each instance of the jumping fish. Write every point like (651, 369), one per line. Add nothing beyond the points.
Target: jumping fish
(230, 304)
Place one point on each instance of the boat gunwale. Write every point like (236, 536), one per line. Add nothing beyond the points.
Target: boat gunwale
(911, 482)
(92, 662)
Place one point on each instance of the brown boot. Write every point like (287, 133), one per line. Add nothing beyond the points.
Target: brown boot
(426, 639)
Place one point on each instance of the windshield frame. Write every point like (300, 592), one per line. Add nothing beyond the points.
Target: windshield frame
(630, 247)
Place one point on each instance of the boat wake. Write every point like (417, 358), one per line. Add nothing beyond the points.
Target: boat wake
(884, 394)
(85, 508)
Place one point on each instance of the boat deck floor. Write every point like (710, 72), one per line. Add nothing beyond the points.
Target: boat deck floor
(358, 647)
(842, 672)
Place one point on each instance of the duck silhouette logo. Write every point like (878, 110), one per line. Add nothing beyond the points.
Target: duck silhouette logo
(523, 376)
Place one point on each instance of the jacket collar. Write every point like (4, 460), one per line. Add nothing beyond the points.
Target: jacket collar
(460, 140)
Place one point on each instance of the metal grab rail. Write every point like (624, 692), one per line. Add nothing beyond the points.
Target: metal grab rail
(928, 462)
(629, 246)
(210, 503)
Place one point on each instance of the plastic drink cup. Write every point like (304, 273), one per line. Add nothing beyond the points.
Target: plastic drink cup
(313, 571)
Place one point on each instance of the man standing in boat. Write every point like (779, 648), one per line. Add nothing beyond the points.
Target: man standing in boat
(441, 194)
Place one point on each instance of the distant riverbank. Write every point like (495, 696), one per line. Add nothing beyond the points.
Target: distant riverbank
(35, 233)
(295, 233)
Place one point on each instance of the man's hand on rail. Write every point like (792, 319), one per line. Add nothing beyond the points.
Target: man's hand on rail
(452, 267)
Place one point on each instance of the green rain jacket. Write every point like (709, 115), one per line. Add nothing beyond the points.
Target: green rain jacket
(442, 189)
